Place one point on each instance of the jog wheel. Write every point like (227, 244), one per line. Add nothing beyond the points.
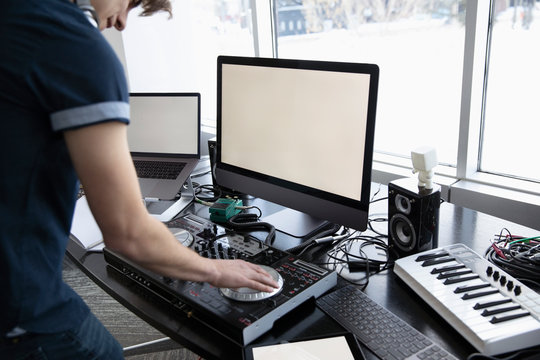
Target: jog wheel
(182, 235)
(249, 295)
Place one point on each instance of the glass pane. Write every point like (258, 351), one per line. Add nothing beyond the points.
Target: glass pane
(179, 54)
(418, 46)
(512, 110)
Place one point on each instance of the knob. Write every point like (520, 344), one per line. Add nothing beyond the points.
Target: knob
(207, 233)
(496, 275)
(510, 285)
(503, 280)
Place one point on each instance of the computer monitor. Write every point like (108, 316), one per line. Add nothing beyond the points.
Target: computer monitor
(298, 133)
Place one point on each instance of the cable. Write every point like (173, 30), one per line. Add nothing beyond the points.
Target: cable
(205, 190)
(333, 228)
(249, 221)
(517, 255)
(341, 257)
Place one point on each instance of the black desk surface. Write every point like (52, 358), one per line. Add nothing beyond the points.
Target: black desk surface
(456, 225)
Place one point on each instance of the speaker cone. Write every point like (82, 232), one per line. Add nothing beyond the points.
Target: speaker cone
(403, 232)
(403, 204)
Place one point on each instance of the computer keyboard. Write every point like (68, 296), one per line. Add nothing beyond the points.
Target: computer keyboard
(158, 169)
(386, 335)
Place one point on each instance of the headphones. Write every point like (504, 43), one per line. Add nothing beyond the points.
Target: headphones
(249, 221)
(89, 11)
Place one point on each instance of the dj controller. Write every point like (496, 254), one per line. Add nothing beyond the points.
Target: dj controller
(240, 314)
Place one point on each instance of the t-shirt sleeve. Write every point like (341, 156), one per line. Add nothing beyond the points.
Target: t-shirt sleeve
(81, 81)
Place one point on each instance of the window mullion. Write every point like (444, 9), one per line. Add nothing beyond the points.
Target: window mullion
(472, 94)
(263, 28)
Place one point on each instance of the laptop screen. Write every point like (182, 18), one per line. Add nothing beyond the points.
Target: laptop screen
(164, 123)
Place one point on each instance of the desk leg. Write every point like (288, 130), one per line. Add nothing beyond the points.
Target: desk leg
(151, 346)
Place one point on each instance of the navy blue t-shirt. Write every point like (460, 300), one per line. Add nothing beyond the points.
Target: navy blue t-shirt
(57, 72)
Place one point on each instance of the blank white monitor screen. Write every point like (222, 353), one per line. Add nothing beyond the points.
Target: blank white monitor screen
(164, 123)
(298, 133)
(299, 130)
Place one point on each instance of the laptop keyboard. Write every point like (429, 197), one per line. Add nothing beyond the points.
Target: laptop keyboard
(168, 170)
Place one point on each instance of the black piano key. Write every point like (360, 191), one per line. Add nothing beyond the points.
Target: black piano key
(431, 256)
(446, 268)
(462, 289)
(500, 310)
(496, 320)
(478, 306)
(459, 279)
(468, 296)
(437, 261)
(450, 274)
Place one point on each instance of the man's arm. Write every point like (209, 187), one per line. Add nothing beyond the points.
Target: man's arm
(103, 163)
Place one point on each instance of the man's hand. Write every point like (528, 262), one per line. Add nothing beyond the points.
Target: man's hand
(239, 273)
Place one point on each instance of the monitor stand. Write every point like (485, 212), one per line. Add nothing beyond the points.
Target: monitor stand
(295, 223)
(166, 210)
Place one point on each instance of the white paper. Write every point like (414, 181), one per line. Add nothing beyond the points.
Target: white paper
(335, 348)
(85, 228)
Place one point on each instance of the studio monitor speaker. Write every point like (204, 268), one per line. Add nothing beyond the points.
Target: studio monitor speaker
(413, 217)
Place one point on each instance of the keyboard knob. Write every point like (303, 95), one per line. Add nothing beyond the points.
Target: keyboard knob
(496, 275)
(517, 290)
(510, 285)
(489, 271)
(503, 280)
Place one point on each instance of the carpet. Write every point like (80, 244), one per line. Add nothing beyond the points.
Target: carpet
(125, 326)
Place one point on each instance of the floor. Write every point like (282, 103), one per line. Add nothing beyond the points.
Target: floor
(127, 328)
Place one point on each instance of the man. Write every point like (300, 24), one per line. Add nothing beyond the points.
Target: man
(64, 109)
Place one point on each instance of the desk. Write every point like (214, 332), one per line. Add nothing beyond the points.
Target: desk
(457, 224)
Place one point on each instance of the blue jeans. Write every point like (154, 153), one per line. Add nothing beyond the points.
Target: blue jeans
(90, 341)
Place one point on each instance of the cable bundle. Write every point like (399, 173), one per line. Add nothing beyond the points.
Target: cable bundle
(517, 255)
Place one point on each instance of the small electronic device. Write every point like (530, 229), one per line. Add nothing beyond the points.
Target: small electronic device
(339, 347)
(300, 134)
(223, 209)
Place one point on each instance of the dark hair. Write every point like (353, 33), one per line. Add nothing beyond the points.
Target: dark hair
(150, 7)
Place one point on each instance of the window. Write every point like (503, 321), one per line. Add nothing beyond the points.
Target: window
(419, 49)
(512, 112)
(179, 54)
(423, 48)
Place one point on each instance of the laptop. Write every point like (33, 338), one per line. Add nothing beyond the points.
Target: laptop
(164, 141)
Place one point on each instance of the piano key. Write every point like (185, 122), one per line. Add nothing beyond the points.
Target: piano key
(459, 279)
(484, 305)
(500, 310)
(466, 311)
(462, 289)
(448, 274)
(431, 256)
(437, 261)
(474, 295)
(487, 330)
(496, 320)
(447, 268)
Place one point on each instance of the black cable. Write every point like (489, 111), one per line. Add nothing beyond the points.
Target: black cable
(521, 259)
(343, 257)
(332, 229)
(249, 221)
(205, 189)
